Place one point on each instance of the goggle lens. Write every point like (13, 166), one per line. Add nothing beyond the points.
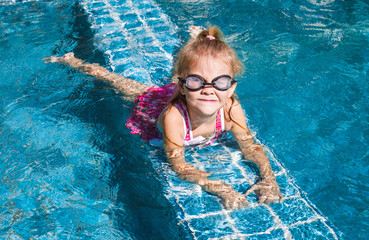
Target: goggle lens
(193, 82)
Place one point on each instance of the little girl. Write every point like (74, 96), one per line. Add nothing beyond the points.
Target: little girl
(195, 111)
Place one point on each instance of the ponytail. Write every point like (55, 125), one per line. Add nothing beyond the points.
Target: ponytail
(212, 33)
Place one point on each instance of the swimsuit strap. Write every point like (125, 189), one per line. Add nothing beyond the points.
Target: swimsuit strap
(219, 125)
(186, 120)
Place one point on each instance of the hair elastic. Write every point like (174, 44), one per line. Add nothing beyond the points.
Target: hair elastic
(210, 37)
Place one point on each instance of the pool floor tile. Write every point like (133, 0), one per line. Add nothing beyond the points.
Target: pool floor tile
(294, 210)
(215, 226)
(252, 220)
(314, 230)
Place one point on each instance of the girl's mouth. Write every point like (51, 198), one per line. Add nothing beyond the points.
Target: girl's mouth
(207, 100)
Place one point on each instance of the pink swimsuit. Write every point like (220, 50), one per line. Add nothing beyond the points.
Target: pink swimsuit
(151, 103)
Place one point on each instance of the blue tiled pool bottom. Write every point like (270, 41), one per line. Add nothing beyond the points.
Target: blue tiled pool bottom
(203, 215)
(137, 37)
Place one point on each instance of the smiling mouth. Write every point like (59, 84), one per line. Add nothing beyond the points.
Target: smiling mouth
(207, 100)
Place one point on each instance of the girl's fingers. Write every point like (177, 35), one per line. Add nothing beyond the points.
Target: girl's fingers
(53, 59)
(253, 188)
(273, 197)
(267, 194)
(263, 199)
(280, 197)
(68, 55)
(50, 59)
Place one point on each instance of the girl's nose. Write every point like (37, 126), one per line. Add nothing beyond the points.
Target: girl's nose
(208, 89)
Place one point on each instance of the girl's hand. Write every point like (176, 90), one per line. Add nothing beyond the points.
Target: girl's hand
(267, 191)
(64, 59)
(231, 199)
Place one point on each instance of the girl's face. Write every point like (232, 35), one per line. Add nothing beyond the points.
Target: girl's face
(207, 101)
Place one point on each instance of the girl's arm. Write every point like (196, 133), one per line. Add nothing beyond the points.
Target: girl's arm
(172, 125)
(267, 188)
(127, 86)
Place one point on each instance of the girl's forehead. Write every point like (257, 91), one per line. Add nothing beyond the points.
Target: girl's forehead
(220, 57)
(206, 63)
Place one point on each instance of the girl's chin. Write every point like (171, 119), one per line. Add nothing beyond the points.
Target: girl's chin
(206, 111)
(207, 104)
(205, 108)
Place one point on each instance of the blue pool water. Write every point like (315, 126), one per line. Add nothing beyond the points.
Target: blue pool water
(71, 170)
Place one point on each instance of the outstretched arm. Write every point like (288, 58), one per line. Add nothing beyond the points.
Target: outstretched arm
(127, 86)
(172, 125)
(267, 189)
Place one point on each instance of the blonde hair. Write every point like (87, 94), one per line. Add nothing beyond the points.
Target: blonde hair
(209, 41)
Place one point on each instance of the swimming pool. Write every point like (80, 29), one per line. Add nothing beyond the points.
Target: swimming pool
(67, 170)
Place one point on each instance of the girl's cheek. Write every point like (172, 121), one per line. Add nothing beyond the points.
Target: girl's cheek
(224, 95)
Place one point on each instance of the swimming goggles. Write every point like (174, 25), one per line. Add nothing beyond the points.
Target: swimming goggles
(195, 82)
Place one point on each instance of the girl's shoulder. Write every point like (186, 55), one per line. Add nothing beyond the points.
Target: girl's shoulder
(234, 114)
(233, 106)
(172, 113)
(171, 119)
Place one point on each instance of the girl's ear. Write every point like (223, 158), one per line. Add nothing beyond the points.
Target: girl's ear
(181, 88)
